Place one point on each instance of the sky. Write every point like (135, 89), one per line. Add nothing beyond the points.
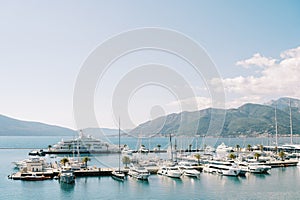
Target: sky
(255, 46)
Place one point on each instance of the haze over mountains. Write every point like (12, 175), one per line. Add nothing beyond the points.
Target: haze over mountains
(249, 119)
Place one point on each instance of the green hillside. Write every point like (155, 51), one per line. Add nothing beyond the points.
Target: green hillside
(249, 119)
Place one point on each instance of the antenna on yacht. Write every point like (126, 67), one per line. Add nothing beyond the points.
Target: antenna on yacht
(291, 121)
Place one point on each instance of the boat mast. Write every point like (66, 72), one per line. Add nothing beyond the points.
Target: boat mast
(119, 144)
(276, 127)
(291, 122)
(78, 151)
(171, 147)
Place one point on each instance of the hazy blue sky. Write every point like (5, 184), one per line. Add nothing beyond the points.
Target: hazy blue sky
(44, 43)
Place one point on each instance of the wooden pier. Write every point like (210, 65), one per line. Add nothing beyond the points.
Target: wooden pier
(93, 172)
(282, 163)
(78, 173)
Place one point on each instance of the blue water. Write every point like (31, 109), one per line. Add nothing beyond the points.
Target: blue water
(282, 183)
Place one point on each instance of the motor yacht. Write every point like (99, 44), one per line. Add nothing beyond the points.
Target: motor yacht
(139, 172)
(67, 176)
(170, 171)
(222, 168)
(188, 169)
(83, 144)
(222, 148)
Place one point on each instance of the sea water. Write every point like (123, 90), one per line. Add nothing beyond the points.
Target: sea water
(281, 183)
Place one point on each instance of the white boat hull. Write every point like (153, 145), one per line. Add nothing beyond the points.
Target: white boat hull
(118, 175)
(170, 172)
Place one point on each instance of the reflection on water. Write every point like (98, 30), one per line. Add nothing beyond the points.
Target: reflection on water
(138, 181)
(170, 181)
(256, 177)
(69, 188)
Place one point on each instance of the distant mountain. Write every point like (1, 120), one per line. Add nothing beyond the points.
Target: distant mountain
(249, 119)
(97, 132)
(283, 103)
(14, 127)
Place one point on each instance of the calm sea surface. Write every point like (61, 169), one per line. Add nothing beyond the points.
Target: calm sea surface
(282, 183)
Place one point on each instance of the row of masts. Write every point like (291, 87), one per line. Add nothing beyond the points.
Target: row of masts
(291, 124)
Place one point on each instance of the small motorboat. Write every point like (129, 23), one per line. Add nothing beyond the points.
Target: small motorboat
(37, 153)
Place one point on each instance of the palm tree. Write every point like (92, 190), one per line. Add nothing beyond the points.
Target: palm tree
(49, 147)
(276, 149)
(158, 146)
(257, 155)
(106, 145)
(197, 156)
(126, 160)
(261, 147)
(85, 161)
(281, 154)
(237, 148)
(64, 161)
(231, 156)
(249, 147)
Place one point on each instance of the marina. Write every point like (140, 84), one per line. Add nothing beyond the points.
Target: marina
(207, 93)
(224, 160)
(97, 175)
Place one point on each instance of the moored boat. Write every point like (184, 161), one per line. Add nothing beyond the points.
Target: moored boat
(35, 177)
(67, 176)
(118, 175)
(127, 151)
(188, 170)
(222, 169)
(171, 171)
(83, 144)
(143, 149)
(222, 148)
(37, 153)
(138, 172)
(258, 168)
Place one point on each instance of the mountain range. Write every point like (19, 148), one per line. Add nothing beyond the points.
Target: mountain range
(249, 119)
(15, 127)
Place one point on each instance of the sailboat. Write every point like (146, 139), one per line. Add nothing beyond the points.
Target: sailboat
(291, 121)
(276, 128)
(118, 174)
(292, 147)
